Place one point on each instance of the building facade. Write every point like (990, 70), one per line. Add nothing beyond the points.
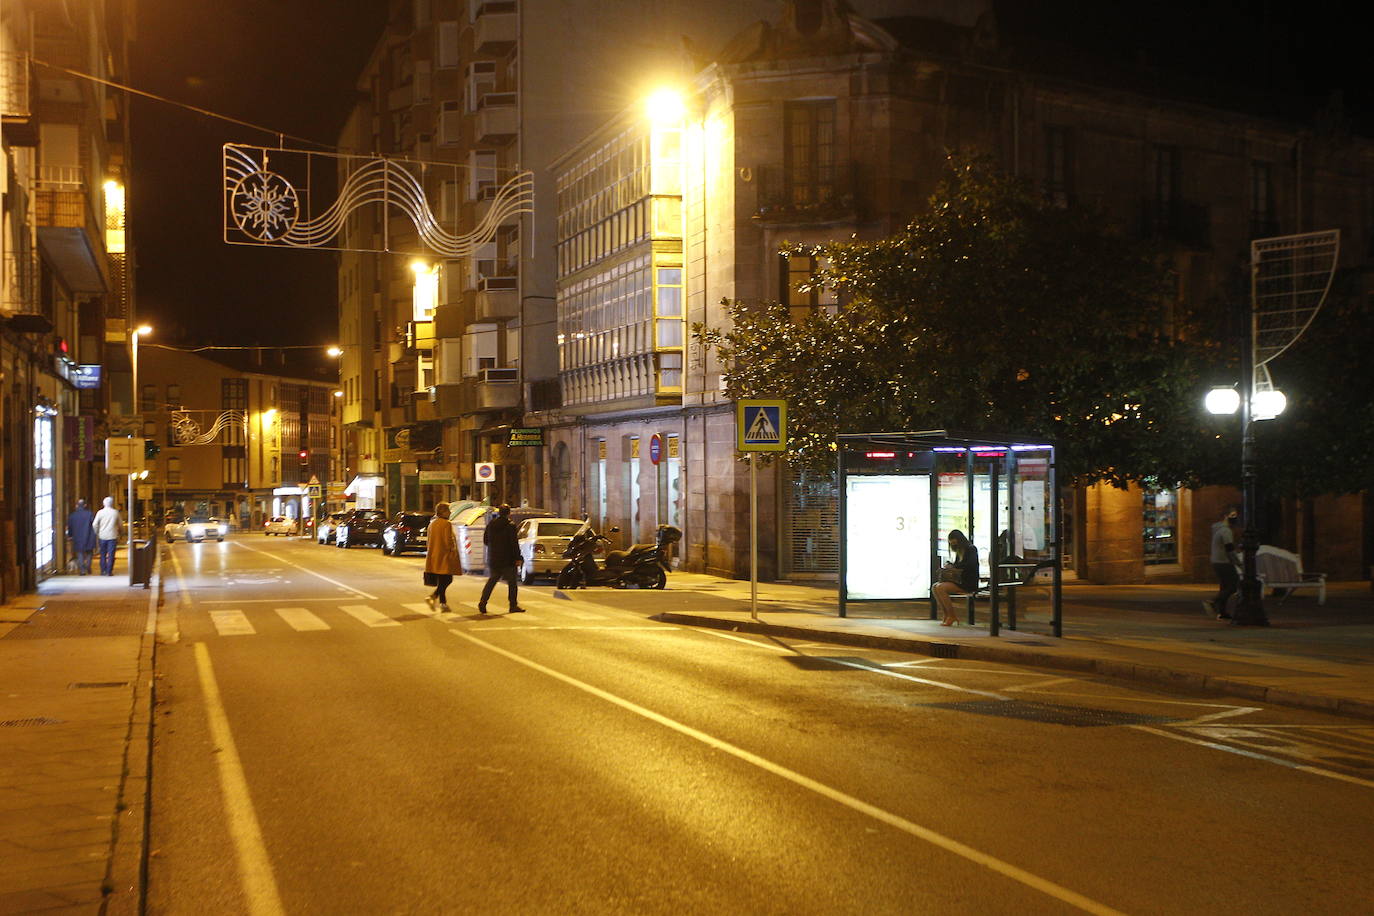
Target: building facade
(65, 291)
(828, 125)
(237, 442)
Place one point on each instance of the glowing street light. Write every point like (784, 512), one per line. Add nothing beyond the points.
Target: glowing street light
(666, 106)
(1222, 401)
(334, 351)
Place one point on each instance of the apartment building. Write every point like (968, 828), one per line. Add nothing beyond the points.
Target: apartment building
(240, 439)
(65, 296)
(827, 125)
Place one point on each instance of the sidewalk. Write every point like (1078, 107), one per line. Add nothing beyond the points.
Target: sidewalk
(75, 697)
(1311, 657)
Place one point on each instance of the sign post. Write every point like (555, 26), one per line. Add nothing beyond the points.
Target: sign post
(485, 472)
(760, 426)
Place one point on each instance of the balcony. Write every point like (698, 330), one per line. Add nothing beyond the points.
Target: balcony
(1182, 222)
(68, 231)
(495, 28)
(19, 284)
(493, 390)
(497, 299)
(486, 196)
(823, 194)
(497, 119)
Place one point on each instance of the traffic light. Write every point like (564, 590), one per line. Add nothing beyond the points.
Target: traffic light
(150, 449)
(305, 456)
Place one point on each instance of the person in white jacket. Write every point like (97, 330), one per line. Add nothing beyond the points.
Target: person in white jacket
(106, 525)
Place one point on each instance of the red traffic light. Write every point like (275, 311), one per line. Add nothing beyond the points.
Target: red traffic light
(305, 454)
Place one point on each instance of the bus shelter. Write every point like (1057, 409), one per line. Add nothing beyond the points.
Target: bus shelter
(902, 493)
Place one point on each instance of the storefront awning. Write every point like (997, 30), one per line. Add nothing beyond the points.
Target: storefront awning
(364, 483)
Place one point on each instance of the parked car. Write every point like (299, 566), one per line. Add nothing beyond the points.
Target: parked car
(407, 531)
(360, 526)
(542, 542)
(196, 528)
(329, 525)
(280, 524)
(470, 526)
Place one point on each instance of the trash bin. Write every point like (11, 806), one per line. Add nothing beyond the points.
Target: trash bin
(141, 563)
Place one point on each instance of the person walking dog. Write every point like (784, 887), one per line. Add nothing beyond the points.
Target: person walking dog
(80, 528)
(106, 527)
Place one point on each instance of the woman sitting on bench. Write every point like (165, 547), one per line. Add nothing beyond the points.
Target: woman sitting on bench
(958, 577)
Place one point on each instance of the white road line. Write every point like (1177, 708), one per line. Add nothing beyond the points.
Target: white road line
(657, 629)
(276, 600)
(231, 623)
(368, 616)
(758, 644)
(347, 588)
(585, 614)
(1040, 685)
(920, 680)
(298, 618)
(1256, 755)
(255, 869)
(422, 607)
(1043, 885)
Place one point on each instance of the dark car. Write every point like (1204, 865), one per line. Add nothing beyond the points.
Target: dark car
(360, 526)
(407, 531)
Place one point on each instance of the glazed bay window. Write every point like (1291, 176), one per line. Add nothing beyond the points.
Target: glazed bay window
(668, 308)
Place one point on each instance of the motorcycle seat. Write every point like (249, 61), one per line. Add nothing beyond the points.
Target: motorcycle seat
(620, 557)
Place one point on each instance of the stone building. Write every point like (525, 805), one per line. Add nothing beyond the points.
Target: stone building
(828, 124)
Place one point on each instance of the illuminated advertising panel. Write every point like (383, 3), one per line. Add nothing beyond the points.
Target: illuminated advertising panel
(887, 536)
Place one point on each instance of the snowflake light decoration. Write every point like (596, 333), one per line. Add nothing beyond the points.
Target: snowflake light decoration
(265, 206)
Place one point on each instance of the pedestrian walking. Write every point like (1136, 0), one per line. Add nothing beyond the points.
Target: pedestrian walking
(503, 557)
(441, 557)
(80, 528)
(106, 528)
(1224, 563)
(959, 576)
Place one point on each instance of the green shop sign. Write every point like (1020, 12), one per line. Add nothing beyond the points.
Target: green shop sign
(523, 437)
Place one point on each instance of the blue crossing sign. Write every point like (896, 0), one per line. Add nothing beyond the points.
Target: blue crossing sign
(761, 426)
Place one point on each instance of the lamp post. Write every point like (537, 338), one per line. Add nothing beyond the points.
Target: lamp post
(134, 334)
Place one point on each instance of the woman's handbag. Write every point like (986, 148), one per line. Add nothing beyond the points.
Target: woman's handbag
(952, 574)
(431, 579)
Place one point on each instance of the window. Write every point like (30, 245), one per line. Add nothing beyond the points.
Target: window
(1160, 528)
(481, 80)
(173, 471)
(809, 152)
(174, 396)
(1058, 165)
(797, 271)
(448, 45)
(450, 124)
(149, 400)
(1262, 222)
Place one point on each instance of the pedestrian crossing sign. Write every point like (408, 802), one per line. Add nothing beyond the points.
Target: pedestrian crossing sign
(761, 426)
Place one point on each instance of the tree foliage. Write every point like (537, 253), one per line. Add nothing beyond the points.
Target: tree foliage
(994, 312)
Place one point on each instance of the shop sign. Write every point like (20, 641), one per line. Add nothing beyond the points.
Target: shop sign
(81, 438)
(673, 447)
(86, 376)
(436, 478)
(524, 437)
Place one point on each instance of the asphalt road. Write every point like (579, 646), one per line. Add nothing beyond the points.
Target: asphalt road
(325, 744)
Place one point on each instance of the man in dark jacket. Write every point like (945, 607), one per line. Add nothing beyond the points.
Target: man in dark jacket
(503, 555)
(80, 530)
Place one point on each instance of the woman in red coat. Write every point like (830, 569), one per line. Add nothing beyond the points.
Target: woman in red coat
(441, 557)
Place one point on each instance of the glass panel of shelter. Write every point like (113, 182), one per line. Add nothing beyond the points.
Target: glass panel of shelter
(884, 530)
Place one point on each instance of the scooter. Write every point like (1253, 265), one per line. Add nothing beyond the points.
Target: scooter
(642, 566)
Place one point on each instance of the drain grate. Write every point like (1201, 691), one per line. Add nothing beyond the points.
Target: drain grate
(944, 650)
(825, 662)
(23, 723)
(1053, 714)
(83, 685)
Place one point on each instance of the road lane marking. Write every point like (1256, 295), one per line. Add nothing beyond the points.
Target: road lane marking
(232, 623)
(368, 616)
(1256, 755)
(583, 626)
(744, 639)
(1006, 869)
(347, 588)
(422, 607)
(918, 680)
(298, 618)
(255, 868)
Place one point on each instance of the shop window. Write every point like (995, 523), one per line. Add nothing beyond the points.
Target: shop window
(1160, 528)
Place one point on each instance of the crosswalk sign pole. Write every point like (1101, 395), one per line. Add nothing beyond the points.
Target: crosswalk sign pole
(753, 536)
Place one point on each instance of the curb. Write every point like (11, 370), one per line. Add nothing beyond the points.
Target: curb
(1114, 668)
(126, 876)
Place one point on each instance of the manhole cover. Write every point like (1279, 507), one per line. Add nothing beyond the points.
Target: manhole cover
(1053, 714)
(825, 663)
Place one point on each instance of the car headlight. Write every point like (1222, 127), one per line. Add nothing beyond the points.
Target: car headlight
(196, 531)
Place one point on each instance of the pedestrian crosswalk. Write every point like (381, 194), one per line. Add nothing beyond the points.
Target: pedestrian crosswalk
(262, 618)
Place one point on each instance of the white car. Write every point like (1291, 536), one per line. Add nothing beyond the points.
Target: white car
(542, 542)
(281, 524)
(196, 528)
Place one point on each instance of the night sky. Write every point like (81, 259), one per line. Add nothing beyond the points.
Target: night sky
(291, 65)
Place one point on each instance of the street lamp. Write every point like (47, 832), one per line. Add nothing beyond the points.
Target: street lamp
(142, 330)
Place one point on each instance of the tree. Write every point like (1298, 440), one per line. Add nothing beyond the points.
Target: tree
(993, 312)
